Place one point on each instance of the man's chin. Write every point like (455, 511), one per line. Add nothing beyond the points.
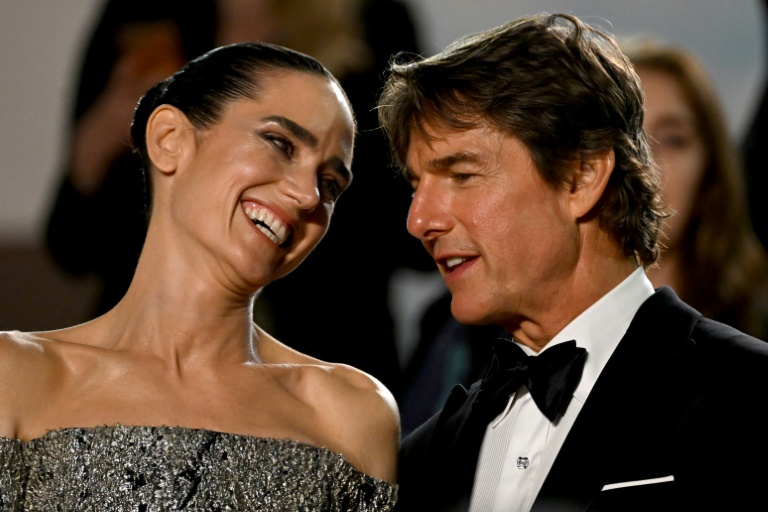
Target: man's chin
(469, 313)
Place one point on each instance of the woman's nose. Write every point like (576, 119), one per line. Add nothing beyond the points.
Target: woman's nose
(302, 187)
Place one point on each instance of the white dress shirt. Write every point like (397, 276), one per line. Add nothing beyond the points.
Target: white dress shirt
(520, 445)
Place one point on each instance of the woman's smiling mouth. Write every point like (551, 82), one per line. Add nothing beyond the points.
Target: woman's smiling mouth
(268, 223)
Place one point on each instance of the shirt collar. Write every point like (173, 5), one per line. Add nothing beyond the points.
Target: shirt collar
(600, 327)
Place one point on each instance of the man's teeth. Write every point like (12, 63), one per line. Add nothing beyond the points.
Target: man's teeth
(268, 224)
(453, 262)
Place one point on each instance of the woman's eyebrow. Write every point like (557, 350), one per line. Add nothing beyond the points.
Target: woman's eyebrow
(306, 136)
(338, 165)
(296, 129)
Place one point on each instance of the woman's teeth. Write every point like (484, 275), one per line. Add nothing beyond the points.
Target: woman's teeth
(268, 223)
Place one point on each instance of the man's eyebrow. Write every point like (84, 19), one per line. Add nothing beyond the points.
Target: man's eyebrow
(296, 129)
(445, 162)
(455, 159)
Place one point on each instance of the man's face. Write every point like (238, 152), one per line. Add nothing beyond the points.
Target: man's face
(503, 239)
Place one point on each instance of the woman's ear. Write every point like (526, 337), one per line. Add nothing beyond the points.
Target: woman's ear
(588, 181)
(168, 132)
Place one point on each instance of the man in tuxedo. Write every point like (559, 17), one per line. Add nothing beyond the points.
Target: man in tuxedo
(537, 196)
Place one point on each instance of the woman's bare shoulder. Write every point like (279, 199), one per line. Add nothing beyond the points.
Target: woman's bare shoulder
(28, 358)
(359, 414)
(17, 346)
(25, 358)
(22, 362)
(362, 417)
(270, 350)
(330, 383)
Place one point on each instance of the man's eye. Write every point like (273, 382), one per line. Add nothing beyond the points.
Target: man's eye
(461, 177)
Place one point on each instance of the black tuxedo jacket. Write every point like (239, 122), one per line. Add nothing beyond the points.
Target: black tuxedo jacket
(682, 396)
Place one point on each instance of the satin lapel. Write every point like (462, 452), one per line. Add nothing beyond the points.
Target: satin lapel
(455, 468)
(624, 427)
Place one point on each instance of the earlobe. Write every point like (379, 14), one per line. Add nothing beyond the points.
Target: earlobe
(166, 133)
(589, 181)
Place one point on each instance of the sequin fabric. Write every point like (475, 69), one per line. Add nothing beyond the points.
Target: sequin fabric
(152, 469)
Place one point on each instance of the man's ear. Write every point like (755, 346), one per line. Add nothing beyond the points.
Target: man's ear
(168, 133)
(588, 181)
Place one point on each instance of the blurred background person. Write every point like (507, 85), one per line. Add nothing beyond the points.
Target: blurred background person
(755, 156)
(137, 43)
(97, 221)
(711, 255)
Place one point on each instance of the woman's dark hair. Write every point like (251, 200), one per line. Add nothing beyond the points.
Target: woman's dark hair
(205, 85)
(560, 86)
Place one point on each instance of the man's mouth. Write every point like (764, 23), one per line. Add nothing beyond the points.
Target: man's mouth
(454, 262)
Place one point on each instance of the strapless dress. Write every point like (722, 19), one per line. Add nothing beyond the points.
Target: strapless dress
(152, 469)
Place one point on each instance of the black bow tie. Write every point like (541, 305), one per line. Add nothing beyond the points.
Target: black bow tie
(551, 377)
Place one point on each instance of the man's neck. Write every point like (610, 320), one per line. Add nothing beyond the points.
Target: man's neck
(589, 284)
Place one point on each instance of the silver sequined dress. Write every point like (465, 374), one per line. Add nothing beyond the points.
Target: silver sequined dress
(151, 469)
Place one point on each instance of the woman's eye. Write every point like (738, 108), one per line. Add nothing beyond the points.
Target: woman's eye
(331, 189)
(672, 140)
(284, 145)
(675, 141)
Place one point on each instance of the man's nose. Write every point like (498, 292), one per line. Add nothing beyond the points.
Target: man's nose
(427, 217)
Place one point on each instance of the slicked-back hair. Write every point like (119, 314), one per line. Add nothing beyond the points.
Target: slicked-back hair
(560, 86)
(204, 86)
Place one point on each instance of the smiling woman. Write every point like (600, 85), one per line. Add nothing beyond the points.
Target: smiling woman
(175, 398)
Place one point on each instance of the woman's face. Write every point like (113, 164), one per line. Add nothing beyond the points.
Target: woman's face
(677, 147)
(258, 189)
